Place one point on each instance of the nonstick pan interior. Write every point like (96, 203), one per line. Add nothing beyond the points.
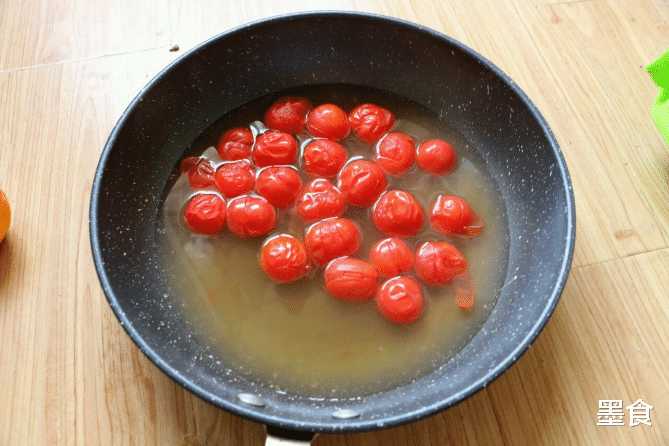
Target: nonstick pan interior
(332, 48)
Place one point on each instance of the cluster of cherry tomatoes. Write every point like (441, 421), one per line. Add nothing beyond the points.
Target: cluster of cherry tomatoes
(258, 178)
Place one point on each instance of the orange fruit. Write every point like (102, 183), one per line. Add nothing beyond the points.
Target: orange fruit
(5, 215)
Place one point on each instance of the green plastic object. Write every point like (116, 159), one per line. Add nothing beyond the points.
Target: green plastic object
(659, 71)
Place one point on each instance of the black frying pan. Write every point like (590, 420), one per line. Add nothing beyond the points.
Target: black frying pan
(325, 48)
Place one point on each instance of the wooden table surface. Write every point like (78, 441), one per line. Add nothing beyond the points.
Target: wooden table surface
(70, 375)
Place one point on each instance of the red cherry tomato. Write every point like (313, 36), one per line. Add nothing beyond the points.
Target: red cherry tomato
(438, 263)
(250, 216)
(235, 178)
(436, 157)
(391, 257)
(274, 148)
(398, 214)
(362, 182)
(396, 153)
(284, 259)
(323, 158)
(279, 185)
(328, 121)
(201, 174)
(330, 239)
(400, 300)
(350, 279)
(451, 215)
(288, 114)
(205, 213)
(320, 200)
(370, 122)
(235, 144)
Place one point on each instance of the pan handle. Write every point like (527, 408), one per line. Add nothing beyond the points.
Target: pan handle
(276, 441)
(285, 437)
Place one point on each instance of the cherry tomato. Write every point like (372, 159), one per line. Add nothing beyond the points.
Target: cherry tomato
(274, 148)
(396, 153)
(279, 185)
(350, 279)
(250, 216)
(328, 121)
(201, 174)
(436, 156)
(288, 114)
(320, 200)
(235, 178)
(330, 239)
(323, 158)
(391, 257)
(5, 215)
(400, 300)
(235, 144)
(398, 214)
(451, 215)
(362, 182)
(438, 263)
(284, 259)
(370, 122)
(205, 213)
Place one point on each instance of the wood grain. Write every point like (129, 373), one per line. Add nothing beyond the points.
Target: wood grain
(44, 32)
(70, 375)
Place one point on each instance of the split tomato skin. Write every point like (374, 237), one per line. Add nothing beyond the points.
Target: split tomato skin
(396, 153)
(320, 200)
(391, 257)
(235, 144)
(465, 292)
(279, 185)
(284, 259)
(438, 263)
(274, 148)
(187, 163)
(398, 214)
(328, 121)
(331, 239)
(351, 279)
(288, 114)
(436, 156)
(362, 182)
(452, 215)
(370, 122)
(323, 158)
(235, 178)
(205, 213)
(201, 174)
(250, 216)
(400, 300)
